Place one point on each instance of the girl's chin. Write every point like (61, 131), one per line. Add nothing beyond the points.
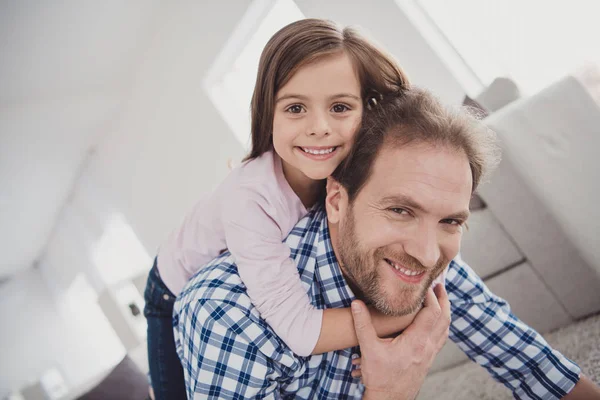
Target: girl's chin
(317, 176)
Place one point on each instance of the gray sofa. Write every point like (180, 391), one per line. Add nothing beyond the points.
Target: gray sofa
(536, 241)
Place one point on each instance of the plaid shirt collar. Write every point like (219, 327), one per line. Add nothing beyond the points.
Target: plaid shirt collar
(310, 244)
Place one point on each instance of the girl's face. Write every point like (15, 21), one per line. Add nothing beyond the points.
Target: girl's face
(317, 113)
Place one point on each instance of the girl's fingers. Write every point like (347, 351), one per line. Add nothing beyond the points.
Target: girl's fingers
(356, 372)
(445, 318)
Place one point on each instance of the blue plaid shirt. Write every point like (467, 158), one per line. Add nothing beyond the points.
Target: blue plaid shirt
(229, 352)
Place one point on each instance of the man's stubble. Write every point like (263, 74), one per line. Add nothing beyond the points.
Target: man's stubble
(362, 272)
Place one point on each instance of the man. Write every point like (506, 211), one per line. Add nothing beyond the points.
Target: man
(395, 210)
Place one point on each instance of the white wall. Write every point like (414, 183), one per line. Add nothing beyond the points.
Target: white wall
(167, 148)
(26, 310)
(388, 24)
(171, 145)
(38, 334)
(63, 76)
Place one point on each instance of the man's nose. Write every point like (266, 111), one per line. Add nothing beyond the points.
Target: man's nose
(319, 125)
(424, 247)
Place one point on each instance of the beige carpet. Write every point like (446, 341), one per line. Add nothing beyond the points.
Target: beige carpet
(579, 342)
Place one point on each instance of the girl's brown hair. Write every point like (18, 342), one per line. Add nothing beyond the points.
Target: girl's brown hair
(306, 41)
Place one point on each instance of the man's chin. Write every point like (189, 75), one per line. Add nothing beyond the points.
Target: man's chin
(400, 304)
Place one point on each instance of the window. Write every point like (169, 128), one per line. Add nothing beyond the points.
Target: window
(534, 43)
(230, 81)
(119, 255)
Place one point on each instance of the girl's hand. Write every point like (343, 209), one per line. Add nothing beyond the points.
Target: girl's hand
(356, 373)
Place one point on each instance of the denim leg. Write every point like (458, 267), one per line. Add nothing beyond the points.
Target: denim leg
(166, 372)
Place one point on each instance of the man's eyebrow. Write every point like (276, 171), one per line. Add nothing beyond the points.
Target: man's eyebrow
(304, 98)
(461, 215)
(413, 204)
(401, 199)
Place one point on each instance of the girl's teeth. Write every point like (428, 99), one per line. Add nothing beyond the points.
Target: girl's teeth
(320, 151)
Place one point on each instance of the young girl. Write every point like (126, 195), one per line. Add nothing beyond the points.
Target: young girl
(314, 80)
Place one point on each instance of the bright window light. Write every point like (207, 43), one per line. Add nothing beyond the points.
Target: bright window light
(79, 308)
(230, 81)
(119, 255)
(532, 42)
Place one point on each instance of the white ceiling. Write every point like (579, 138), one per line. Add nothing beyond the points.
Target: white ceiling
(65, 73)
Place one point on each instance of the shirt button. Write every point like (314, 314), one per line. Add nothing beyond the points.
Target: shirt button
(166, 296)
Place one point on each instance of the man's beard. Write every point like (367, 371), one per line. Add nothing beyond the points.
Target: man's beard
(363, 271)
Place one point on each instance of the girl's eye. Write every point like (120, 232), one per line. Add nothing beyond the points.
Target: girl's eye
(295, 109)
(340, 108)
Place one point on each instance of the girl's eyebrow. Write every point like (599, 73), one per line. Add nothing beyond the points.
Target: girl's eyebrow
(305, 98)
(337, 96)
(291, 96)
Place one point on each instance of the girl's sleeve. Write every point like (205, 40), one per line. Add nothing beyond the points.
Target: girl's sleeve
(254, 236)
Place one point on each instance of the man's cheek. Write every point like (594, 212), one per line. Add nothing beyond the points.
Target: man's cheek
(450, 246)
(451, 249)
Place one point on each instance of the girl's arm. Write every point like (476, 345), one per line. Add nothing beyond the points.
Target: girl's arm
(337, 329)
(255, 225)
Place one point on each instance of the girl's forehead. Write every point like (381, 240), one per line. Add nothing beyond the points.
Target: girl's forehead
(332, 74)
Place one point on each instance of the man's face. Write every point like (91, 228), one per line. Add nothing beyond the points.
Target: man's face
(404, 226)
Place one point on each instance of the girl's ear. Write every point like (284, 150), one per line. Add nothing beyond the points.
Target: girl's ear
(336, 201)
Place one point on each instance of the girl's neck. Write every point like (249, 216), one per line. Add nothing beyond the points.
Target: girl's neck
(308, 190)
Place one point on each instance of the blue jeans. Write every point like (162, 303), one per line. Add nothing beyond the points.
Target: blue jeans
(166, 372)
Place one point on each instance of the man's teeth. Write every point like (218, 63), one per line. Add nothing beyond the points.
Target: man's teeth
(405, 271)
(319, 151)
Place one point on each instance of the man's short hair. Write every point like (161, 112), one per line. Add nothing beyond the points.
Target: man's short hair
(416, 116)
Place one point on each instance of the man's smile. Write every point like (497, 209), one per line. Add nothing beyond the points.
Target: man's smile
(407, 275)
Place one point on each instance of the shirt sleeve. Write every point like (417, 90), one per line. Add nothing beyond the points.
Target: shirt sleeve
(219, 357)
(513, 353)
(252, 225)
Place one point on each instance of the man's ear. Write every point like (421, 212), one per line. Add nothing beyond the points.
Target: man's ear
(336, 201)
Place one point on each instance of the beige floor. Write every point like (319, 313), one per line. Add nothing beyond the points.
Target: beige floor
(580, 342)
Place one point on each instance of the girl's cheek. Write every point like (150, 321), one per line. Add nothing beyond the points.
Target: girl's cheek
(355, 126)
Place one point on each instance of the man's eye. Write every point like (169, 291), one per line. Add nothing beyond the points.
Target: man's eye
(295, 109)
(456, 222)
(397, 210)
(340, 108)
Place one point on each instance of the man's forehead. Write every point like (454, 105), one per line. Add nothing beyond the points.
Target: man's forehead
(423, 159)
(421, 171)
